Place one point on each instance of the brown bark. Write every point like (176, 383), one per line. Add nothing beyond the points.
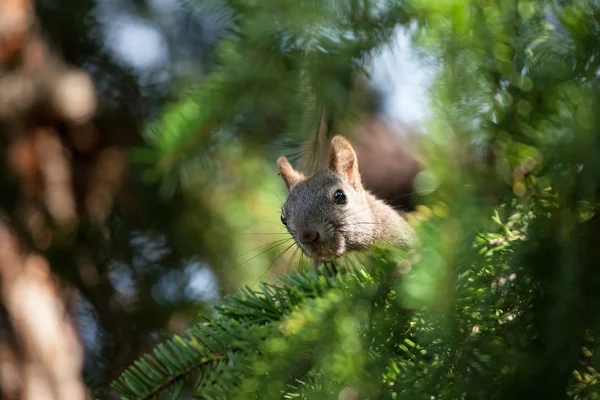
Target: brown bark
(46, 112)
(46, 363)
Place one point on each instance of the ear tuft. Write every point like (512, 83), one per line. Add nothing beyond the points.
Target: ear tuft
(343, 161)
(290, 176)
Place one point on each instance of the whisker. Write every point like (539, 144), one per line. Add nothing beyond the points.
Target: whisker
(291, 262)
(306, 261)
(361, 210)
(276, 206)
(378, 194)
(265, 233)
(263, 252)
(368, 207)
(269, 222)
(299, 258)
(263, 245)
(373, 223)
(269, 189)
(273, 263)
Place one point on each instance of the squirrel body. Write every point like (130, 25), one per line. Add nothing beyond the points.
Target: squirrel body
(331, 213)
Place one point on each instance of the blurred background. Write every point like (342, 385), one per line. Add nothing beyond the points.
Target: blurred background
(97, 249)
(138, 184)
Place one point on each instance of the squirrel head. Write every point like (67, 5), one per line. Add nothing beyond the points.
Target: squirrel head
(328, 213)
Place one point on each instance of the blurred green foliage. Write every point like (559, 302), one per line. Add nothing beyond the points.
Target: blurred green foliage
(500, 299)
(233, 214)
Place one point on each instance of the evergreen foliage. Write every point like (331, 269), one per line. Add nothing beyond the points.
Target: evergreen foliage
(500, 299)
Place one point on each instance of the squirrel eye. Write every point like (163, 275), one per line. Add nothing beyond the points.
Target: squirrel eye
(283, 220)
(340, 197)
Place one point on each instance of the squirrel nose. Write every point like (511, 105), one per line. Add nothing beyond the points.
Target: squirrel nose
(309, 236)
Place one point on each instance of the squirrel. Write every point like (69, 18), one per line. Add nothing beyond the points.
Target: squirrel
(331, 213)
(384, 151)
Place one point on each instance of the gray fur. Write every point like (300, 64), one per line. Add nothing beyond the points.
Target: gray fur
(354, 226)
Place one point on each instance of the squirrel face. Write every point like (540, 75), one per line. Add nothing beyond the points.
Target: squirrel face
(328, 213)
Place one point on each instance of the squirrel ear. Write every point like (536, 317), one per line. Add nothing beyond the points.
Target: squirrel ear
(342, 160)
(290, 176)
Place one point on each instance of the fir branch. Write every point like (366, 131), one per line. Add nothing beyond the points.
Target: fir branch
(240, 325)
(182, 375)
